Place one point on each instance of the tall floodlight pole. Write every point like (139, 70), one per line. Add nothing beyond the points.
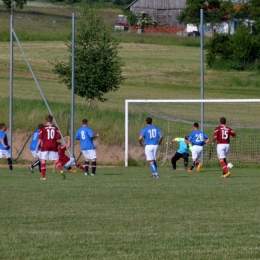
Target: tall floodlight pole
(11, 78)
(202, 70)
(72, 85)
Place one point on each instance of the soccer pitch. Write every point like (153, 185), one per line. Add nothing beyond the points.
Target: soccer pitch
(122, 213)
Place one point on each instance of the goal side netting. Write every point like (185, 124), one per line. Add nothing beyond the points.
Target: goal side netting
(175, 118)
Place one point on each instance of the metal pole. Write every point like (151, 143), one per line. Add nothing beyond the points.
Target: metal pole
(11, 81)
(72, 85)
(202, 70)
(126, 133)
(35, 79)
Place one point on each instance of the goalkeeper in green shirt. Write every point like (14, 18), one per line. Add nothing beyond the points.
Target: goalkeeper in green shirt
(183, 152)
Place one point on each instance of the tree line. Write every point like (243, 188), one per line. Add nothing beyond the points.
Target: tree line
(98, 68)
(240, 50)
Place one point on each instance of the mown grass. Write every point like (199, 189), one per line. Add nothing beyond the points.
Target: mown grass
(124, 214)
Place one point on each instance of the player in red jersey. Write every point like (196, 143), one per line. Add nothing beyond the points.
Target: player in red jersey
(222, 135)
(49, 134)
(64, 160)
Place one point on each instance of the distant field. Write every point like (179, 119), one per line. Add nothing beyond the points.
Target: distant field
(156, 67)
(124, 214)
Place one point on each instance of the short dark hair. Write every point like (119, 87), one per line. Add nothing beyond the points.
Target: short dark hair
(84, 121)
(186, 137)
(2, 125)
(196, 125)
(49, 118)
(40, 126)
(222, 120)
(149, 120)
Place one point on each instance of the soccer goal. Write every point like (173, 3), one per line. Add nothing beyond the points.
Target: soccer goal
(175, 118)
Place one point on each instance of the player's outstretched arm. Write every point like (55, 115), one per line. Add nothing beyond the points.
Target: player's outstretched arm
(3, 142)
(68, 142)
(95, 136)
(160, 140)
(140, 140)
(38, 145)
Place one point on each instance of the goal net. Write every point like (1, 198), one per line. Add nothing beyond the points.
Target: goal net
(175, 118)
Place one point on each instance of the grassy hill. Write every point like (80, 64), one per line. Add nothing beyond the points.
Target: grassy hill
(156, 67)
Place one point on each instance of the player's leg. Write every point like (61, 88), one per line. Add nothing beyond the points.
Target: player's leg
(69, 164)
(86, 166)
(195, 156)
(36, 163)
(7, 155)
(58, 165)
(10, 163)
(174, 159)
(90, 156)
(43, 165)
(151, 151)
(93, 166)
(199, 164)
(222, 152)
(80, 166)
(185, 157)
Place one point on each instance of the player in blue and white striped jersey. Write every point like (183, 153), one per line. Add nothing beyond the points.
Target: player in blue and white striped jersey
(152, 136)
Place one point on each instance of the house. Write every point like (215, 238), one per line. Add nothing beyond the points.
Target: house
(165, 12)
(227, 26)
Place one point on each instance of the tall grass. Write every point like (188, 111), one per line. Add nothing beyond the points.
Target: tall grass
(28, 113)
(160, 39)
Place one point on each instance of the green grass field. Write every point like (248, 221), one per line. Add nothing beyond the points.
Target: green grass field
(124, 214)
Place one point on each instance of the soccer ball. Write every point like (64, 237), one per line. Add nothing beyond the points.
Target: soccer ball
(230, 165)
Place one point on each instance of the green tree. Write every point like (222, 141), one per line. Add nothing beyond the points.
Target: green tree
(215, 11)
(98, 69)
(254, 14)
(18, 3)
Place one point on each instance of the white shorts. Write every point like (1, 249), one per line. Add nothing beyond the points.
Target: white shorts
(222, 150)
(196, 151)
(49, 156)
(36, 155)
(89, 154)
(5, 153)
(71, 162)
(151, 152)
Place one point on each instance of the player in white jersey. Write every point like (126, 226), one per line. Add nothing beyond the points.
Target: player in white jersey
(152, 136)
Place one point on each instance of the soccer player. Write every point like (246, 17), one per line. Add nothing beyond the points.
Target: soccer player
(152, 137)
(4, 146)
(183, 152)
(197, 138)
(33, 147)
(48, 136)
(222, 135)
(64, 160)
(86, 136)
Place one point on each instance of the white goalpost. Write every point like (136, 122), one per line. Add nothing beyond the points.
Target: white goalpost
(175, 118)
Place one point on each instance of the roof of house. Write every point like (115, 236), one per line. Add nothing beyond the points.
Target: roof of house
(131, 4)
